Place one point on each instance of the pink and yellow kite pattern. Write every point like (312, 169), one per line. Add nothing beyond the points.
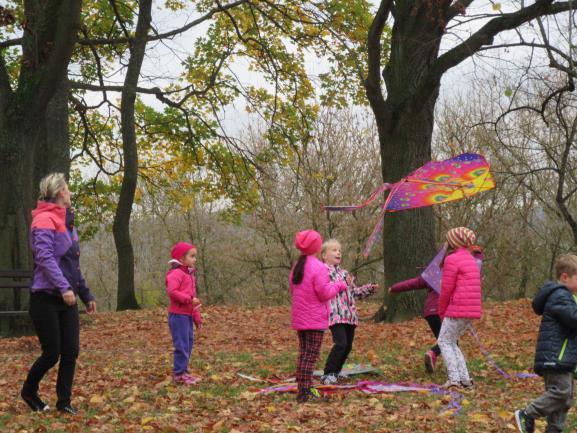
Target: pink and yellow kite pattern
(435, 182)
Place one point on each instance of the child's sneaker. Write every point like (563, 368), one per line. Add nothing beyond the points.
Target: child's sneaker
(183, 379)
(329, 379)
(310, 395)
(191, 380)
(448, 385)
(525, 424)
(430, 361)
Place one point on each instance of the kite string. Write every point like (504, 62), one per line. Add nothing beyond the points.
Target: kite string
(368, 201)
(492, 362)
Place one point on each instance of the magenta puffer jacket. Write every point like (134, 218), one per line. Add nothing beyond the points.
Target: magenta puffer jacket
(310, 298)
(460, 286)
(431, 303)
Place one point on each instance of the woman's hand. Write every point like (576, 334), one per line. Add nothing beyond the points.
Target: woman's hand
(91, 307)
(69, 298)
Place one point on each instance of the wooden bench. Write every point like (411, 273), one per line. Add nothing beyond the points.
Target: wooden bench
(14, 295)
(14, 318)
(15, 280)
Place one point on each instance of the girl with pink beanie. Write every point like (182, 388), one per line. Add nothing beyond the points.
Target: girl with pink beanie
(311, 290)
(184, 308)
(459, 303)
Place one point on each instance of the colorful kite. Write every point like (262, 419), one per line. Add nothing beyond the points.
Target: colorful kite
(434, 183)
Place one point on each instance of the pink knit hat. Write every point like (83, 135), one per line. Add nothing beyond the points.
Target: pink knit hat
(309, 242)
(180, 249)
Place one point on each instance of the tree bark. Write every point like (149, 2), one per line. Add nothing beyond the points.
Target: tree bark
(121, 227)
(53, 148)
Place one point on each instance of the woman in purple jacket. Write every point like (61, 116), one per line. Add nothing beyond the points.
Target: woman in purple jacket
(55, 283)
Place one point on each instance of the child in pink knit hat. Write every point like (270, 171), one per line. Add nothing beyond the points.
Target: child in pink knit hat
(184, 308)
(311, 289)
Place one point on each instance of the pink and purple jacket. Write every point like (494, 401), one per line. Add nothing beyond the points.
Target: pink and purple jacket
(181, 288)
(460, 286)
(310, 309)
(56, 252)
(431, 303)
(342, 307)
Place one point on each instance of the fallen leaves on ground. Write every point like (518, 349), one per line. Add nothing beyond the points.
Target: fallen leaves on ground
(123, 381)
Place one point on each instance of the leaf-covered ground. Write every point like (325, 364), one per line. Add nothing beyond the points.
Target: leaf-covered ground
(123, 377)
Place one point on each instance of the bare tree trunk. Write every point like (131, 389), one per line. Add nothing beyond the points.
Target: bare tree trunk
(121, 227)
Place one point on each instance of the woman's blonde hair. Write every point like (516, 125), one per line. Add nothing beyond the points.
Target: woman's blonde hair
(51, 185)
(326, 246)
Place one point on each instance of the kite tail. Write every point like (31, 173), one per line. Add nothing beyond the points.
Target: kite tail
(379, 225)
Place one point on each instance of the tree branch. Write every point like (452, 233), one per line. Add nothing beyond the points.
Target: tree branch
(11, 43)
(457, 8)
(167, 35)
(485, 36)
(373, 81)
(5, 87)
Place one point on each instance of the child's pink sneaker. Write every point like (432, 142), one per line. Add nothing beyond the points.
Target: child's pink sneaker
(185, 379)
(191, 379)
(430, 361)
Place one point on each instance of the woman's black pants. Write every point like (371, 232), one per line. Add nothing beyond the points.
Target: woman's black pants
(58, 329)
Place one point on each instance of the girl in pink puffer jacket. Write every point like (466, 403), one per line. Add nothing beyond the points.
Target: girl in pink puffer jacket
(184, 309)
(432, 283)
(311, 290)
(459, 303)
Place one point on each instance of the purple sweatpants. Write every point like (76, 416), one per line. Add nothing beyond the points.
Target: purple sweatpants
(182, 330)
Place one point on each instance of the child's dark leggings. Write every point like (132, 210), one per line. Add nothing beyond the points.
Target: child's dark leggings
(343, 336)
(435, 322)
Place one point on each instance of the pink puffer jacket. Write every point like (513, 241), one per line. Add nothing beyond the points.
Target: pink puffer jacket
(461, 286)
(181, 288)
(310, 307)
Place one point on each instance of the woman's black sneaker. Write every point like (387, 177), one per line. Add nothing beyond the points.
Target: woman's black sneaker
(68, 409)
(34, 402)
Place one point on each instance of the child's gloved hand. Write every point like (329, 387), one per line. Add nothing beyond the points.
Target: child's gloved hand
(350, 280)
(390, 290)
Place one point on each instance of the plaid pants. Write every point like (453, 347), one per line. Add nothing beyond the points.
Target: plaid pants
(309, 350)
